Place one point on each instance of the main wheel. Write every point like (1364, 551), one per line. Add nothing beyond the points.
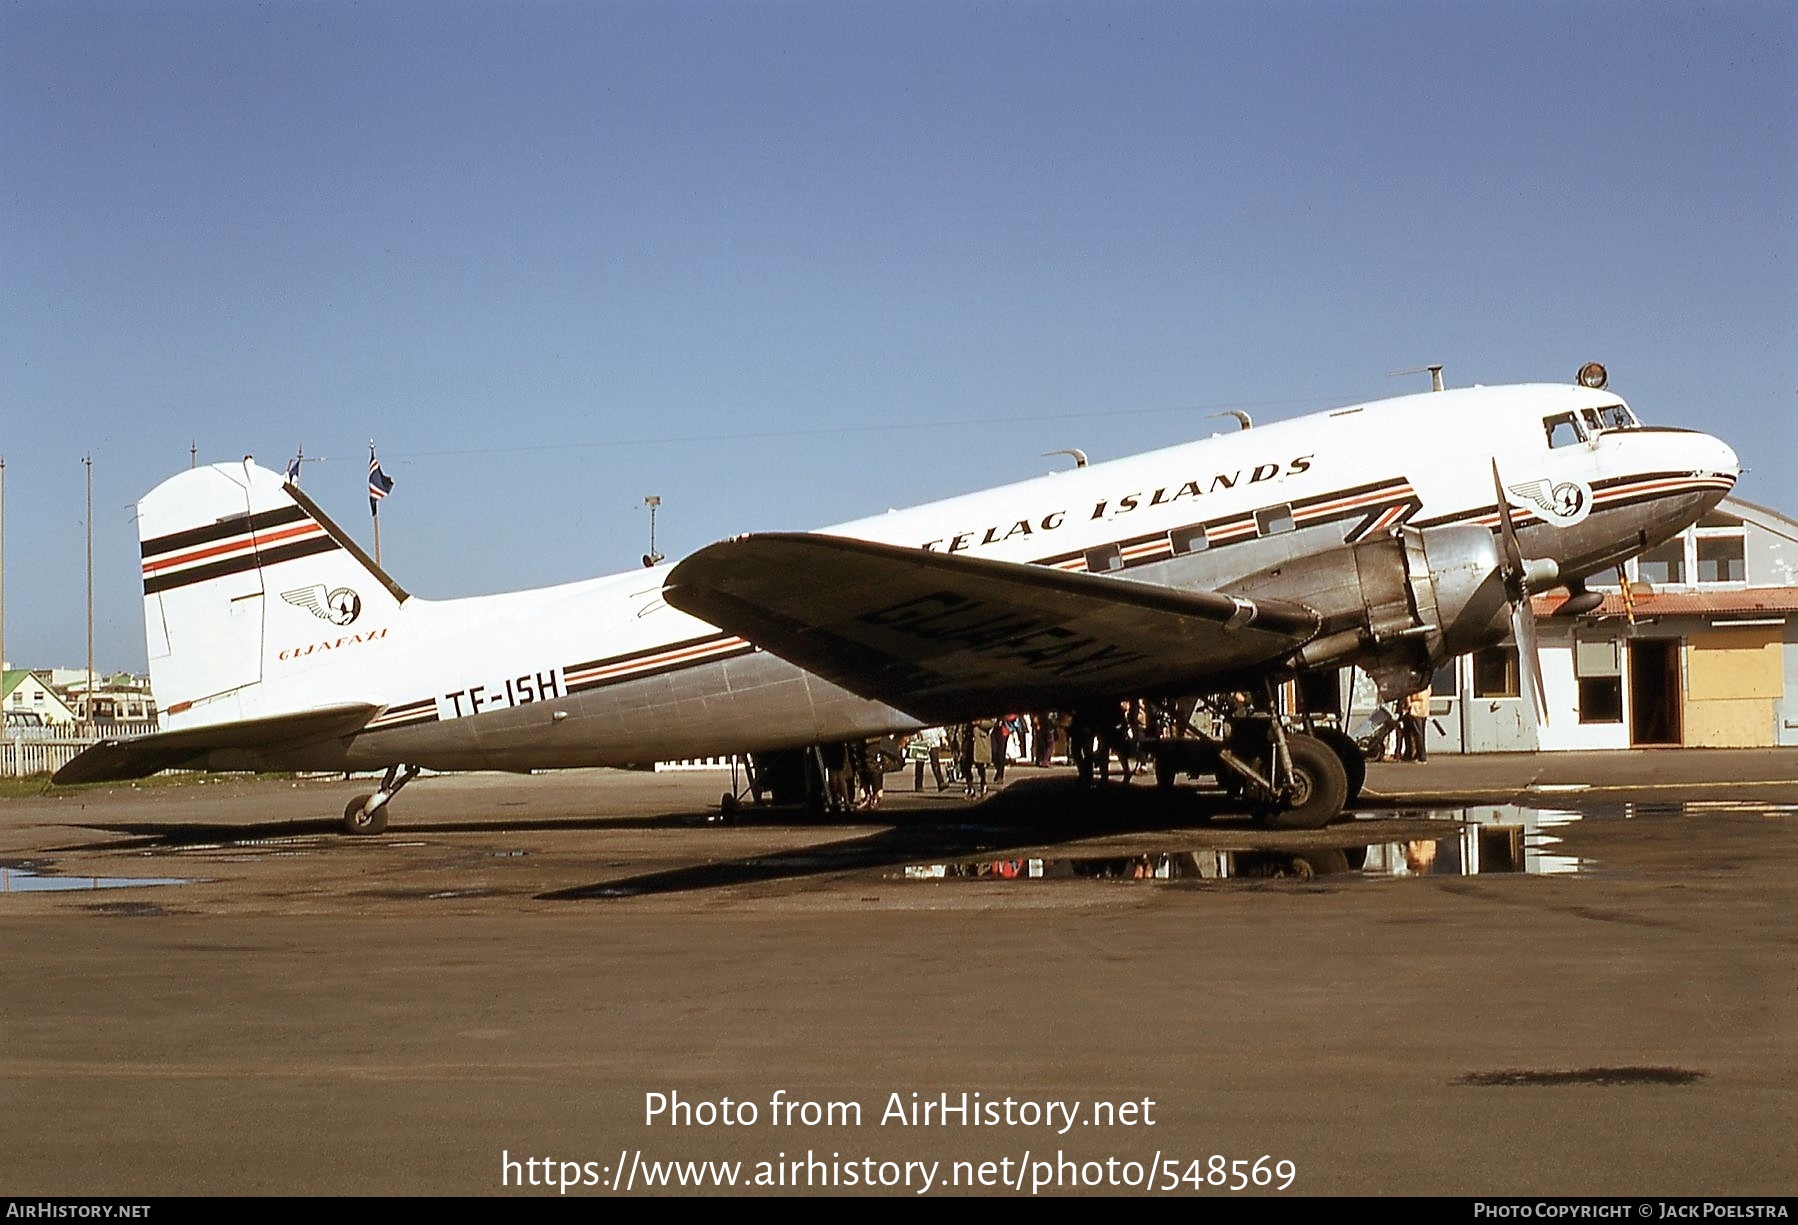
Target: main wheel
(356, 821)
(1354, 761)
(1320, 787)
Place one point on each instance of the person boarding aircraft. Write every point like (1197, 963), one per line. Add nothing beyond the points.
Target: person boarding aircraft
(1391, 535)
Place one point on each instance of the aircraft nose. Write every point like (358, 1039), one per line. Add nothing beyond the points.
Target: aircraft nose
(1714, 457)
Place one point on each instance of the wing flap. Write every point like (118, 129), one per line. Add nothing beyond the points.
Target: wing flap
(141, 756)
(940, 637)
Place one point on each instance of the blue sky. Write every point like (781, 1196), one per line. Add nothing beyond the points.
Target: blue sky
(786, 264)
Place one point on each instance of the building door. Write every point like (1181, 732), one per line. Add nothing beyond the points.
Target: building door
(1495, 716)
(1442, 734)
(1655, 714)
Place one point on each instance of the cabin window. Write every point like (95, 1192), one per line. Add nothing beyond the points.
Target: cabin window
(1104, 559)
(1275, 519)
(1564, 430)
(1189, 539)
(1495, 673)
(1720, 560)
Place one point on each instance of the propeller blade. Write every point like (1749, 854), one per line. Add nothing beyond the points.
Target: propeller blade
(1529, 656)
(1507, 531)
(1519, 577)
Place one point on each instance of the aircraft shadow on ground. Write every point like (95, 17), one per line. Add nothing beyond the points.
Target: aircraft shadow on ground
(187, 833)
(1029, 814)
(1037, 803)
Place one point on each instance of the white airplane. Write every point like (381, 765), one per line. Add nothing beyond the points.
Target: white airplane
(1391, 535)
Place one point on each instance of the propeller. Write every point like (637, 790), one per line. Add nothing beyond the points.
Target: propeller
(1522, 576)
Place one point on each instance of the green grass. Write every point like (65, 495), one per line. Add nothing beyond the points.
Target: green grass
(33, 786)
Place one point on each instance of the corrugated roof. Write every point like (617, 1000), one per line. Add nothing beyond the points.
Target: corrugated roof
(1761, 601)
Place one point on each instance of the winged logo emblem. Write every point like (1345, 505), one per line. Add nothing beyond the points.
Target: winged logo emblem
(340, 607)
(1562, 502)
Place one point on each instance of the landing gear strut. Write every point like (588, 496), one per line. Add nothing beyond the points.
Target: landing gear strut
(1292, 780)
(1310, 786)
(367, 814)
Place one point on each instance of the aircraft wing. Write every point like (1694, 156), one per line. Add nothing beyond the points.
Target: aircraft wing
(940, 636)
(141, 756)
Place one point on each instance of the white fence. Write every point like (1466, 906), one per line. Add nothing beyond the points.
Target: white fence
(45, 750)
(21, 757)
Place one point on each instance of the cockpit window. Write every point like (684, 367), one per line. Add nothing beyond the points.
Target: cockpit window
(1612, 417)
(1564, 430)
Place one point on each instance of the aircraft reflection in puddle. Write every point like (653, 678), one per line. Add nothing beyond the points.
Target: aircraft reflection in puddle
(1487, 839)
(24, 880)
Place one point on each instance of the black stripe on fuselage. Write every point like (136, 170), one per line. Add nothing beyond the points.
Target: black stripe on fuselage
(1239, 518)
(1598, 487)
(674, 665)
(612, 661)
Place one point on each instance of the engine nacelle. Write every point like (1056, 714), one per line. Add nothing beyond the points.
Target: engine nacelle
(1397, 606)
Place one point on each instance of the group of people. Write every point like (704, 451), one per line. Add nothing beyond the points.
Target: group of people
(971, 749)
(855, 777)
(975, 754)
(1413, 719)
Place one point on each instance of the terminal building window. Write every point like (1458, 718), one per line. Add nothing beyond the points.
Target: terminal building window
(1663, 565)
(1720, 560)
(1598, 667)
(1495, 673)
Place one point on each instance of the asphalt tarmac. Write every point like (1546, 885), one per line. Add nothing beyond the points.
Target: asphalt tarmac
(1560, 974)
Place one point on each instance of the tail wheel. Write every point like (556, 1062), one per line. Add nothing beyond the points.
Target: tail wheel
(1319, 787)
(357, 820)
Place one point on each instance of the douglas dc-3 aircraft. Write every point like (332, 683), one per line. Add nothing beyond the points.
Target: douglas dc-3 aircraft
(1392, 535)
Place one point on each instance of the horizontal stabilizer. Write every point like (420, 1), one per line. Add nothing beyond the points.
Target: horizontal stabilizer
(142, 756)
(941, 637)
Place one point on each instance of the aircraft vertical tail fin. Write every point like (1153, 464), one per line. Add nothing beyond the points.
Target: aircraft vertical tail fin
(247, 585)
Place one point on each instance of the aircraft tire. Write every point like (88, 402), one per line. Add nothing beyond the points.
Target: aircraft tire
(1354, 761)
(355, 821)
(1322, 787)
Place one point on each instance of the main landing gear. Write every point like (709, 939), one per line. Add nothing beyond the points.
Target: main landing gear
(367, 814)
(1290, 780)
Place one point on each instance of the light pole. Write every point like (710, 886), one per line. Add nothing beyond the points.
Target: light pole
(88, 707)
(652, 557)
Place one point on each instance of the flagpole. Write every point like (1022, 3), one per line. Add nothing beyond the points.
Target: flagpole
(2, 561)
(373, 511)
(88, 461)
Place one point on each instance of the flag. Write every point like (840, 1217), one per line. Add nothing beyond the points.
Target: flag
(379, 483)
(293, 470)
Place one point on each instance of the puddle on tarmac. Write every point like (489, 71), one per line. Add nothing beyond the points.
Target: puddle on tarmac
(1476, 841)
(25, 880)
